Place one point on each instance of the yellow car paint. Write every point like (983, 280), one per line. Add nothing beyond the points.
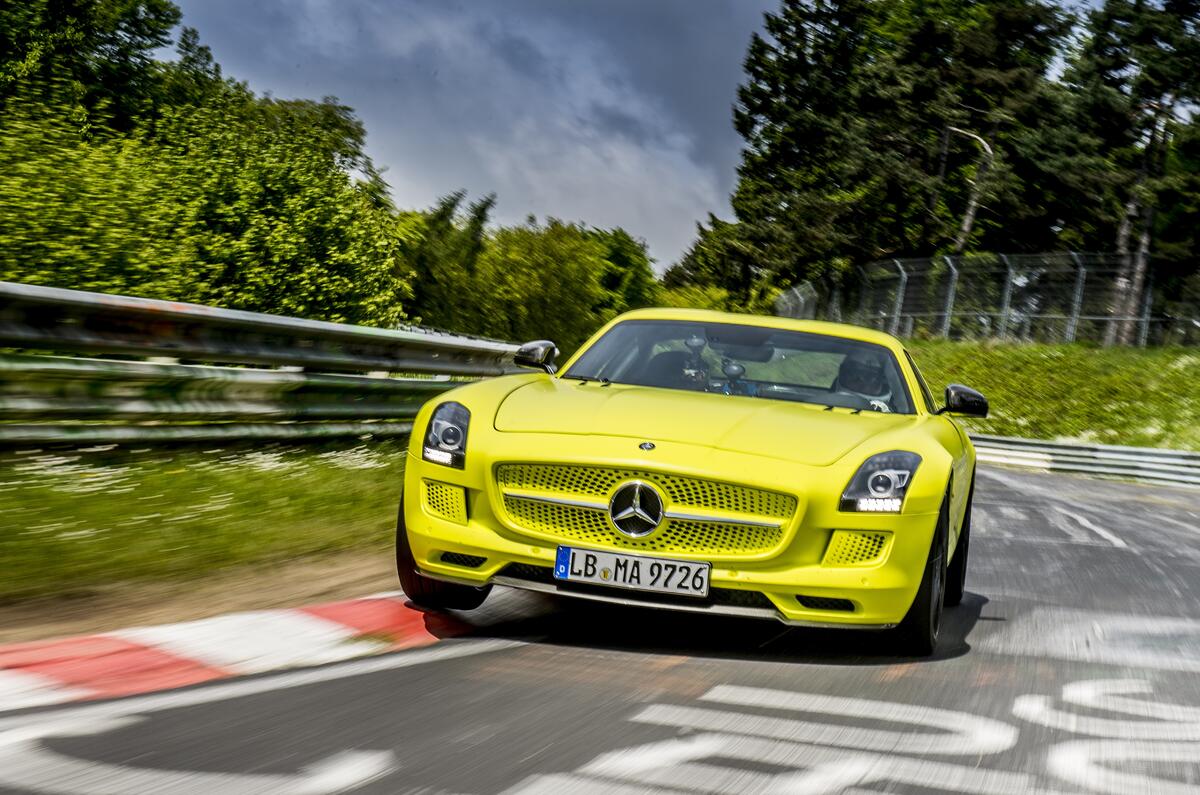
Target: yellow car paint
(801, 453)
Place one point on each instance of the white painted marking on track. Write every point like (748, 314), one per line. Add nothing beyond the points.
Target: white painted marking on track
(954, 732)
(257, 641)
(1086, 763)
(24, 764)
(1138, 641)
(637, 760)
(1041, 710)
(1107, 535)
(23, 689)
(808, 769)
(240, 688)
(1109, 695)
(1015, 514)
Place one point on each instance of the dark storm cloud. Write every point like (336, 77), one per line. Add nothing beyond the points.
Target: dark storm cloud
(613, 112)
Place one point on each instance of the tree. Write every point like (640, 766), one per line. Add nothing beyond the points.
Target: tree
(1138, 68)
(628, 278)
(444, 260)
(544, 281)
(877, 130)
(94, 55)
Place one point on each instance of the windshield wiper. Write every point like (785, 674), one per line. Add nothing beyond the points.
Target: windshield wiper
(588, 379)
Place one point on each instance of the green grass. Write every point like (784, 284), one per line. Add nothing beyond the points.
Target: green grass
(1146, 398)
(71, 520)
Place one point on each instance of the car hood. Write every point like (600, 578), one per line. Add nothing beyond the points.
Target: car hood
(791, 431)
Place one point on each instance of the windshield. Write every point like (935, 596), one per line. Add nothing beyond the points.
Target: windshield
(751, 361)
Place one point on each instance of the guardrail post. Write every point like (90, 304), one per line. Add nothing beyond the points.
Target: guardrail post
(948, 309)
(899, 302)
(1144, 325)
(1076, 299)
(1006, 298)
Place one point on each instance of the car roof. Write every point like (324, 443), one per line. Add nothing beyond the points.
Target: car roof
(860, 333)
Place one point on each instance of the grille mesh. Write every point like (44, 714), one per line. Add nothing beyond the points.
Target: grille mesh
(826, 603)
(460, 559)
(446, 501)
(598, 482)
(675, 536)
(856, 548)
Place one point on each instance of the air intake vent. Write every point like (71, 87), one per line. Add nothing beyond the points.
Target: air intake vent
(825, 603)
(466, 561)
(856, 548)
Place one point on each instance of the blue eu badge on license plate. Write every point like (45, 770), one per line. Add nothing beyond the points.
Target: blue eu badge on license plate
(562, 563)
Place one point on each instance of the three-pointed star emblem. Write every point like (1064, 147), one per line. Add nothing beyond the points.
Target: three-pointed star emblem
(636, 508)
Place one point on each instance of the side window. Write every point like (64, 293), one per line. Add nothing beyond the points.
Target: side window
(929, 402)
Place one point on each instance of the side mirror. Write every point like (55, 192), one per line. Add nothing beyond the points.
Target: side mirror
(964, 400)
(539, 354)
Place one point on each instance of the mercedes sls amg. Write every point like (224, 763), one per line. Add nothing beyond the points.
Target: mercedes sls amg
(700, 461)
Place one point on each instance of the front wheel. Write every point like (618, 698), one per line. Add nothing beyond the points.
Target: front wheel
(917, 634)
(424, 592)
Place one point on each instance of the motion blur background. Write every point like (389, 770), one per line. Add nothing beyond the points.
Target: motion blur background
(1012, 185)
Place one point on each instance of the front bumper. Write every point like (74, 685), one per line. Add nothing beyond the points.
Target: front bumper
(797, 584)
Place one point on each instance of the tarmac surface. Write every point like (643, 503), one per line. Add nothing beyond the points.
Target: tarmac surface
(1073, 665)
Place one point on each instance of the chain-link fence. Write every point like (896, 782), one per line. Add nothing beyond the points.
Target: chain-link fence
(1060, 297)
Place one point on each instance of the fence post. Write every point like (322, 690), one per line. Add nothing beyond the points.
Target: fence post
(1076, 299)
(950, 291)
(899, 303)
(1147, 301)
(1006, 299)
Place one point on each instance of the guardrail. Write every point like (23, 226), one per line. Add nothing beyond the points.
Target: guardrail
(320, 392)
(49, 318)
(1145, 464)
(336, 379)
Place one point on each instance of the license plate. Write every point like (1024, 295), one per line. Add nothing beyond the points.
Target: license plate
(635, 572)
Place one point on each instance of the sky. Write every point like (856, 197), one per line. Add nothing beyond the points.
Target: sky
(609, 112)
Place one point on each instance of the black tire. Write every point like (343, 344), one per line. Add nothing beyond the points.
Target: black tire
(917, 635)
(956, 575)
(424, 592)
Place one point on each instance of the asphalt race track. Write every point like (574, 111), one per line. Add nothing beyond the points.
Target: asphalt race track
(1073, 665)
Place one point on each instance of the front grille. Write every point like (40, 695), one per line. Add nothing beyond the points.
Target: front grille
(466, 561)
(855, 548)
(599, 482)
(825, 603)
(731, 597)
(674, 536)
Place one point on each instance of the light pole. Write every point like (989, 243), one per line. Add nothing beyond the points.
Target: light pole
(968, 221)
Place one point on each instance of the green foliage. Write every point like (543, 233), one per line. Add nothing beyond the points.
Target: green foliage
(96, 55)
(121, 173)
(868, 127)
(241, 202)
(187, 511)
(555, 280)
(1071, 392)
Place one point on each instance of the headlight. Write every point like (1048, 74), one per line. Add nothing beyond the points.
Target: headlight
(880, 483)
(446, 436)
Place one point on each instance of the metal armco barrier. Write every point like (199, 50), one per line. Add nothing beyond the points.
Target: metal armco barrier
(1147, 464)
(52, 319)
(320, 392)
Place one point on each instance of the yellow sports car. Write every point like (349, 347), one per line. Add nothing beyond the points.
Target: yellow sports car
(701, 461)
